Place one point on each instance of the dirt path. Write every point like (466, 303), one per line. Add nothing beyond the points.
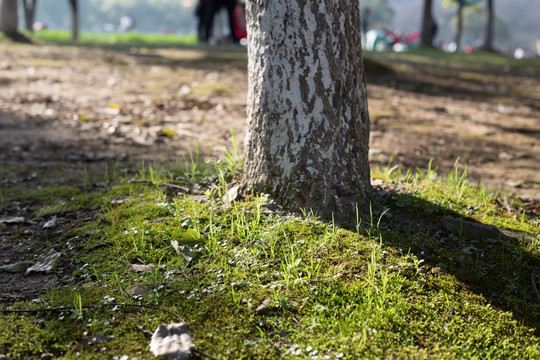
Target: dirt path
(73, 107)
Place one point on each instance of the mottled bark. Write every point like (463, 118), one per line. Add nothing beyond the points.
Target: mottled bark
(9, 17)
(308, 123)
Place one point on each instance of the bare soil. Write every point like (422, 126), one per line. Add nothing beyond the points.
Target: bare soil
(67, 109)
(75, 105)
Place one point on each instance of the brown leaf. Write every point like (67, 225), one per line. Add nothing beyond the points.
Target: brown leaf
(145, 268)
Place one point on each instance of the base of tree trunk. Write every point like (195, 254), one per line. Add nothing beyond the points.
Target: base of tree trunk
(488, 49)
(18, 37)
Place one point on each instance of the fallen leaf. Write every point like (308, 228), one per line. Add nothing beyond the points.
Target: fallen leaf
(183, 251)
(231, 195)
(167, 132)
(172, 341)
(81, 117)
(16, 268)
(188, 237)
(138, 290)
(263, 308)
(119, 200)
(51, 223)
(145, 268)
(12, 220)
(470, 250)
(44, 263)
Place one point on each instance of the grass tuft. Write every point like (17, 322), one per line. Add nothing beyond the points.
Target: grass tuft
(396, 286)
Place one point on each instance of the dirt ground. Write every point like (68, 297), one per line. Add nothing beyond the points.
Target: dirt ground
(81, 105)
(66, 110)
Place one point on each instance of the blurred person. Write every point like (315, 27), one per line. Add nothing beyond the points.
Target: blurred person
(365, 22)
(213, 8)
(126, 22)
(240, 22)
(200, 13)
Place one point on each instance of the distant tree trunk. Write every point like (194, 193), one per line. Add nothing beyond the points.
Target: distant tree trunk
(308, 124)
(9, 17)
(75, 19)
(428, 24)
(29, 13)
(488, 40)
(459, 32)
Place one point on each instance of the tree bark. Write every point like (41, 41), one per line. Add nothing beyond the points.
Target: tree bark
(459, 32)
(29, 14)
(488, 40)
(9, 18)
(308, 124)
(427, 24)
(75, 19)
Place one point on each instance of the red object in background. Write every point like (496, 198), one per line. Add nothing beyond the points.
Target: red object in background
(400, 39)
(240, 30)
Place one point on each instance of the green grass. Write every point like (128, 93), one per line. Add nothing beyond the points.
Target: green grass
(480, 61)
(128, 38)
(395, 286)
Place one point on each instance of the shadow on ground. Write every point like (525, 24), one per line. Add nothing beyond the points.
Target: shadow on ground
(489, 261)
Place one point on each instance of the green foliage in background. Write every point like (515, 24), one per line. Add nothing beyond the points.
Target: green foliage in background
(150, 15)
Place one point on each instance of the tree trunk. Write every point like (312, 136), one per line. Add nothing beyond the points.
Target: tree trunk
(29, 14)
(308, 124)
(9, 17)
(427, 24)
(75, 19)
(459, 31)
(488, 40)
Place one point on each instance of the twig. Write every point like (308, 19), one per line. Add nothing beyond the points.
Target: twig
(145, 332)
(533, 281)
(202, 353)
(142, 181)
(298, 323)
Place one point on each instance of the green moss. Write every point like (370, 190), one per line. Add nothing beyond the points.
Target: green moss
(396, 286)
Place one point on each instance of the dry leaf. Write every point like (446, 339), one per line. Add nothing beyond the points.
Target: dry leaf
(15, 268)
(264, 308)
(119, 200)
(45, 263)
(51, 223)
(145, 268)
(11, 220)
(138, 290)
(172, 341)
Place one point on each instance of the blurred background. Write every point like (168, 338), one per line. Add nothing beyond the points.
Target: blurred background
(516, 23)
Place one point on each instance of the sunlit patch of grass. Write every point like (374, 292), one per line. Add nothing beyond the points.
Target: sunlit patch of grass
(396, 286)
(128, 38)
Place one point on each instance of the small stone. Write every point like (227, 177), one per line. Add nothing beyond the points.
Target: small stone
(45, 357)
